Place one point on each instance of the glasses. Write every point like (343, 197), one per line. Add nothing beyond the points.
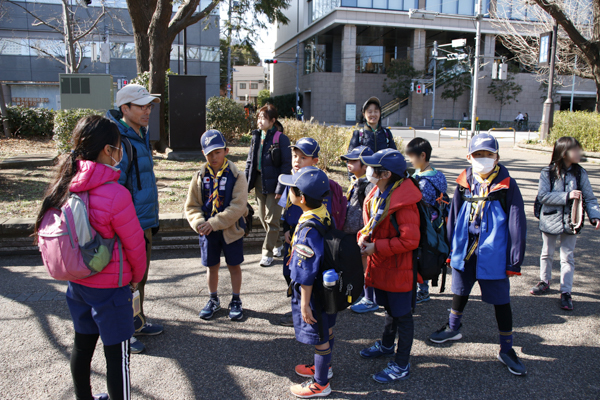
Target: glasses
(146, 107)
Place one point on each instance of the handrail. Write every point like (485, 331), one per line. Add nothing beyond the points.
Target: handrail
(444, 128)
(505, 130)
(405, 128)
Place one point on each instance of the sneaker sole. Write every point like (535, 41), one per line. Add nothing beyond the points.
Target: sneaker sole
(211, 315)
(512, 371)
(393, 380)
(236, 318)
(365, 311)
(324, 393)
(566, 308)
(424, 300)
(381, 355)
(287, 324)
(539, 293)
(147, 334)
(266, 265)
(137, 352)
(329, 374)
(457, 337)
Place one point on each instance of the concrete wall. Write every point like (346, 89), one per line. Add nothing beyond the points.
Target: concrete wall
(325, 102)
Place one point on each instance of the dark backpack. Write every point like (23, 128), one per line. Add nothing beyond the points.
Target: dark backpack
(133, 163)
(388, 137)
(537, 205)
(343, 255)
(339, 204)
(442, 198)
(275, 151)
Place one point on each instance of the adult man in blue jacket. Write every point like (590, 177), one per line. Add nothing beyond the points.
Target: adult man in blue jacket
(134, 105)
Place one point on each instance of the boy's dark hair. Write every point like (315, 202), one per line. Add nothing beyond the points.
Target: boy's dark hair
(418, 146)
(310, 202)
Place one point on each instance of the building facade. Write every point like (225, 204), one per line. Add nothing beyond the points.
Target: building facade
(247, 81)
(346, 47)
(31, 77)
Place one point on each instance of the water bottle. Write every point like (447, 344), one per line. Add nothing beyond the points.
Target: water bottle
(330, 289)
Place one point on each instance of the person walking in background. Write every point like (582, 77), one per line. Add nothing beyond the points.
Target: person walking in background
(519, 120)
(215, 208)
(269, 157)
(564, 192)
(134, 105)
(372, 135)
(101, 305)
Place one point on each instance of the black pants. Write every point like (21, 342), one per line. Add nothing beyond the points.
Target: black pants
(117, 367)
(404, 327)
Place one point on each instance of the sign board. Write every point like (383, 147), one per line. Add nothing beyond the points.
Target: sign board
(350, 113)
(545, 49)
(229, 86)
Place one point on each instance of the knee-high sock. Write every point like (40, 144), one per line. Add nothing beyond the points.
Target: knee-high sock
(117, 371)
(81, 360)
(368, 293)
(322, 364)
(504, 319)
(458, 306)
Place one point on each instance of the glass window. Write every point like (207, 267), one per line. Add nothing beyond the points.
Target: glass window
(320, 8)
(254, 86)
(122, 50)
(14, 47)
(242, 86)
(348, 3)
(380, 4)
(365, 3)
(369, 59)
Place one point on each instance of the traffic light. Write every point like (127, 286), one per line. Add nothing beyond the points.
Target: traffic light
(270, 61)
(412, 86)
(419, 89)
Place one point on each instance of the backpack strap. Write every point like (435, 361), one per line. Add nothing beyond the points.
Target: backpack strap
(499, 195)
(276, 137)
(133, 162)
(388, 135)
(120, 261)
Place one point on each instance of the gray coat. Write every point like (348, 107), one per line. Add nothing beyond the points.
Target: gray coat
(556, 206)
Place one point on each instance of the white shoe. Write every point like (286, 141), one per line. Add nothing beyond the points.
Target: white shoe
(266, 261)
(278, 251)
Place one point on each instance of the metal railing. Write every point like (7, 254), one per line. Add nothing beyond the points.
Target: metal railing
(505, 130)
(405, 128)
(449, 129)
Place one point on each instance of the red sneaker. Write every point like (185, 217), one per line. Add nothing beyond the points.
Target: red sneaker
(310, 389)
(308, 371)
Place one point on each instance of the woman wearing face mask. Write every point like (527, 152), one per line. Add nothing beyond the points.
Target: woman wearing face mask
(390, 235)
(487, 231)
(372, 135)
(99, 306)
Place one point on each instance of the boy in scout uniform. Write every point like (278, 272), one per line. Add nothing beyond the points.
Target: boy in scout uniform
(312, 325)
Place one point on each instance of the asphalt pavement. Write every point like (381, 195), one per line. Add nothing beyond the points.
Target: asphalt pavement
(255, 358)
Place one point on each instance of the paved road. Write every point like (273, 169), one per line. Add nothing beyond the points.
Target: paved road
(254, 359)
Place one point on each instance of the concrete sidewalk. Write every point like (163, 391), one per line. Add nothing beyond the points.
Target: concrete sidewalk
(254, 358)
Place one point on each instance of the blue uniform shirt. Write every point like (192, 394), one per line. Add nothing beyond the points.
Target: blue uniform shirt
(305, 262)
(292, 214)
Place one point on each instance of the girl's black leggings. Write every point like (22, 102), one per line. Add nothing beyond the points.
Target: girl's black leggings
(117, 367)
(403, 327)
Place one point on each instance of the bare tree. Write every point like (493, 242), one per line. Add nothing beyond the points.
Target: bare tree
(578, 35)
(72, 29)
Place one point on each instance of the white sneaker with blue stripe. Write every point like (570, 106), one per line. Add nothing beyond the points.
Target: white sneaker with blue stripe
(392, 373)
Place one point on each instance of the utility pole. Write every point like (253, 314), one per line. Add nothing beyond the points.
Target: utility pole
(548, 112)
(297, 75)
(573, 87)
(229, 53)
(478, 17)
(4, 114)
(435, 54)
(185, 51)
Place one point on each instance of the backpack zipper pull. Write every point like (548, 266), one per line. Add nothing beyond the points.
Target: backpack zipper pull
(349, 293)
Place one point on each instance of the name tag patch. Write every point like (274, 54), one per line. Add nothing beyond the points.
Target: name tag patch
(304, 250)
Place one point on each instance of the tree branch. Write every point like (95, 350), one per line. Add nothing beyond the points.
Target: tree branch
(185, 16)
(87, 32)
(40, 20)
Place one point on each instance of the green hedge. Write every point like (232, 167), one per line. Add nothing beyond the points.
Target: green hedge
(228, 117)
(286, 104)
(64, 123)
(582, 125)
(28, 122)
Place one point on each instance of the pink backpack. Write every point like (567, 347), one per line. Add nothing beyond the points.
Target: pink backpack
(71, 249)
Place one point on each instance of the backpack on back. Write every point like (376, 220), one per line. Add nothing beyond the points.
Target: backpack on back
(343, 255)
(339, 204)
(71, 249)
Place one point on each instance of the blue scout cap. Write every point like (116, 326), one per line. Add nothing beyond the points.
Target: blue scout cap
(308, 146)
(310, 180)
(212, 140)
(357, 153)
(483, 141)
(390, 159)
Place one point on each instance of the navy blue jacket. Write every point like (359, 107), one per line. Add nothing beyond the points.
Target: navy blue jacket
(376, 141)
(502, 230)
(269, 172)
(145, 199)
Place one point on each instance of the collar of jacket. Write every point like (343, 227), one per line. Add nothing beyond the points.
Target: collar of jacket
(502, 181)
(368, 127)
(405, 194)
(270, 132)
(115, 116)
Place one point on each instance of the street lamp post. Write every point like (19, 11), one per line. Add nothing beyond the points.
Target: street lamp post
(548, 111)
(476, 67)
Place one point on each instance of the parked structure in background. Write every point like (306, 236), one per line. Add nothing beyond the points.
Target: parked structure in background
(29, 76)
(247, 81)
(346, 47)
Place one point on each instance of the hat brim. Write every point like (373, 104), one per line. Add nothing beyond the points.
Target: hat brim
(491, 150)
(210, 149)
(372, 99)
(371, 161)
(146, 100)
(348, 157)
(293, 146)
(287, 180)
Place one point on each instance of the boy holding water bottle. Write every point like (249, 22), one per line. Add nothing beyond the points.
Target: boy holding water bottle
(308, 187)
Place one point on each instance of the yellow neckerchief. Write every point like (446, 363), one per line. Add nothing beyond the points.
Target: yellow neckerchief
(320, 214)
(214, 195)
(353, 182)
(377, 207)
(477, 209)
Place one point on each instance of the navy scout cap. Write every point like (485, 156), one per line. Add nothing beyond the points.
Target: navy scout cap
(390, 159)
(308, 146)
(212, 140)
(483, 141)
(357, 153)
(310, 180)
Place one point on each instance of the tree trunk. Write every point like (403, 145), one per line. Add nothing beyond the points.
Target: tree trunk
(500, 116)
(597, 79)
(7, 132)
(140, 12)
(453, 104)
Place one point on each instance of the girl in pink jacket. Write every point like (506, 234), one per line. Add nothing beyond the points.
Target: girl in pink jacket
(99, 306)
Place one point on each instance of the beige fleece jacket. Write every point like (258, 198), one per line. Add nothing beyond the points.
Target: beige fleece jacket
(228, 219)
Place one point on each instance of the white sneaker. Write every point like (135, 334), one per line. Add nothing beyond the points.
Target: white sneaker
(278, 251)
(266, 261)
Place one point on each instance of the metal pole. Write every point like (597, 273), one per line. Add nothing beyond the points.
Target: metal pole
(229, 54)
(7, 132)
(549, 103)
(476, 67)
(435, 53)
(297, 75)
(573, 87)
(185, 51)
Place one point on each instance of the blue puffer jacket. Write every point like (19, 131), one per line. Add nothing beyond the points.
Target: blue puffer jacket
(502, 236)
(145, 195)
(381, 139)
(269, 172)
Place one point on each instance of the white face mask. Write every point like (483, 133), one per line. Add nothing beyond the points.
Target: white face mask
(483, 165)
(370, 177)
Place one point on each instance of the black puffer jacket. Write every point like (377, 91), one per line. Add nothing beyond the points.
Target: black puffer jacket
(269, 172)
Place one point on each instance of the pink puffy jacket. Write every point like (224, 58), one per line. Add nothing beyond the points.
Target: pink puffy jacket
(111, 211)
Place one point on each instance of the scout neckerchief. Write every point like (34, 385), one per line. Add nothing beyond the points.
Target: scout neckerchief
(477, 209)
(214, 194)
(320, 214)
(353, 184)
(376, 208)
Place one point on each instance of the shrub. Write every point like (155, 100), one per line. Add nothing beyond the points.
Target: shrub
(226, 116)
(582, 125)
(64, 123)
(286, 104)
(333, 140)
(264, 97)
(27, 122)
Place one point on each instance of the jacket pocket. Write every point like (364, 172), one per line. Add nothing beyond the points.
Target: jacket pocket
(550, 212)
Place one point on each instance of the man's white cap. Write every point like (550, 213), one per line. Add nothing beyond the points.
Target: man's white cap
(136, 94)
